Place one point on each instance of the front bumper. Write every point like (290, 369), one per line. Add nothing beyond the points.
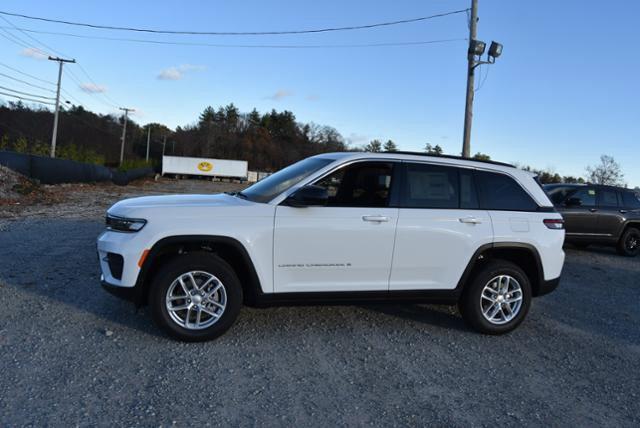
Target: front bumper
(126, 293)
(128, 247)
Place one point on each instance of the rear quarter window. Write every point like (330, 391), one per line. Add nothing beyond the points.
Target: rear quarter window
(502, 193)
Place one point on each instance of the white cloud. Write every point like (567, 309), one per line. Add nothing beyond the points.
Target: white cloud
(34, 53)
(178, 72)
(356, 139)
(280, 94)
(93, 88)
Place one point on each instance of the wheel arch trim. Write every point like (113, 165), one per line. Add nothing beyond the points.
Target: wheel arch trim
(158, 249)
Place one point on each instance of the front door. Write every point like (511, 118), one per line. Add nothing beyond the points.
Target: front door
(344, 246)
(580, 213)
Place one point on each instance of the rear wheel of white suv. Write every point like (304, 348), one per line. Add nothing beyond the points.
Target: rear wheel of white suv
(195, 297)
(497, 299)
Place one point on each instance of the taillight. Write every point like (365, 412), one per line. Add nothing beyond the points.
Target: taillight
(554, 223)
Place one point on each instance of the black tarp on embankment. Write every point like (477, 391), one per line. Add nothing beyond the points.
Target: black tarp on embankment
(55, 171)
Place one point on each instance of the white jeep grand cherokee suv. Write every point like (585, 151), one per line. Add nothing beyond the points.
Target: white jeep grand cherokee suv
(336, 228)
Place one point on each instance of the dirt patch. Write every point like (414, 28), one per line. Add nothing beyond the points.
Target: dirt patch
(16, 189)
(85, 200)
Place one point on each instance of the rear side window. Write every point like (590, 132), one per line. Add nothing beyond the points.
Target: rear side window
(503, 193)
(631, 200)
(608, 198)
(430, 186)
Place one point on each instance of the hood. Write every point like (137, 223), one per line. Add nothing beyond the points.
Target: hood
(136, 206)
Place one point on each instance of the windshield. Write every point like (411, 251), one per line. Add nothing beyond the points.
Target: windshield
(267, 189)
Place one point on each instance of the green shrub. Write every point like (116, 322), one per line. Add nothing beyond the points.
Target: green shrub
(128, 164)
(4, 142)
(21, 145)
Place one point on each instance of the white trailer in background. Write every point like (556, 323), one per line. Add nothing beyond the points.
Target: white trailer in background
(216, 168)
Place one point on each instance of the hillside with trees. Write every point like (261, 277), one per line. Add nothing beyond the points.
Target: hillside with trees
(268, 141)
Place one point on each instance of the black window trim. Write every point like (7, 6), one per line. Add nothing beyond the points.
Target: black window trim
(473, 170)
(394, 198)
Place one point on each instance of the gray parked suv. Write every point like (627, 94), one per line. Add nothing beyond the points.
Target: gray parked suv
(595, 214)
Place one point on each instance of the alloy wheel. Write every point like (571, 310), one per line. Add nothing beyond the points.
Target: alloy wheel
(196, 300)
(501, 299)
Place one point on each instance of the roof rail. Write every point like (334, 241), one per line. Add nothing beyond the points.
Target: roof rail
(452, 157)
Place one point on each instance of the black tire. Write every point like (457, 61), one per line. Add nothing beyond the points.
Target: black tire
(470, 302)
(199, 261)
(629, 243)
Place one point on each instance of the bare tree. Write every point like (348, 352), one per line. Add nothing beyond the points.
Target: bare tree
(608, 172)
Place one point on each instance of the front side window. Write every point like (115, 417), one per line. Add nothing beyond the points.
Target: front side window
(362, 184)
(558, 194)
(584, 197)
(267, 189)
(501, 192)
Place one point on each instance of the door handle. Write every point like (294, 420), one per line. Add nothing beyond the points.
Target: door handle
(470, 220)
(593, 210)
(375, 218)
(623, 211)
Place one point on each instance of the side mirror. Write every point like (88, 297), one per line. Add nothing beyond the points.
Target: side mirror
(573, 202)
(308, 196)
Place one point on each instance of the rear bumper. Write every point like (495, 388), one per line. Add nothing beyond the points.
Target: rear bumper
(547, 287)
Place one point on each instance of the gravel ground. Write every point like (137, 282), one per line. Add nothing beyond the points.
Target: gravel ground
(71, 354)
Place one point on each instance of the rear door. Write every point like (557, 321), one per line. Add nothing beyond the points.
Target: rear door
(609, 215)
(439, 227)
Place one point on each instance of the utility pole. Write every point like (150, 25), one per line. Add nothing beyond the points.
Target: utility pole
(148, 140)
(61, 62)
(124, 131)
(471, 67)
(164, 143)
(474, 56)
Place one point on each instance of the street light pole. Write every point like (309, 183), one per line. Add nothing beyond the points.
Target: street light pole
(54, 137)
(124, 131)
(471, 66)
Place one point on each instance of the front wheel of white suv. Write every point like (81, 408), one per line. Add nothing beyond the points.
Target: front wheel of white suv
(498, 298)
(195, 297)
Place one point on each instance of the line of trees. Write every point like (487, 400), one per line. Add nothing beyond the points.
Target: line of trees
(268, 141)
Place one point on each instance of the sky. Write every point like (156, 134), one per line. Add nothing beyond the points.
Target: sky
(564, 92)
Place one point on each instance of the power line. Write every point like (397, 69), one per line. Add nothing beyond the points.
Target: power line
(27, 74)
(26, 99)
(24, 82)
(22, 42)
(250, 46)
(26, 93)
(237, 33)
(31, 37)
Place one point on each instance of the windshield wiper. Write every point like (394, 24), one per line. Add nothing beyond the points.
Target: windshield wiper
(237, 194)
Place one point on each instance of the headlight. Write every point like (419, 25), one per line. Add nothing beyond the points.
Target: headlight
(122, 224)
